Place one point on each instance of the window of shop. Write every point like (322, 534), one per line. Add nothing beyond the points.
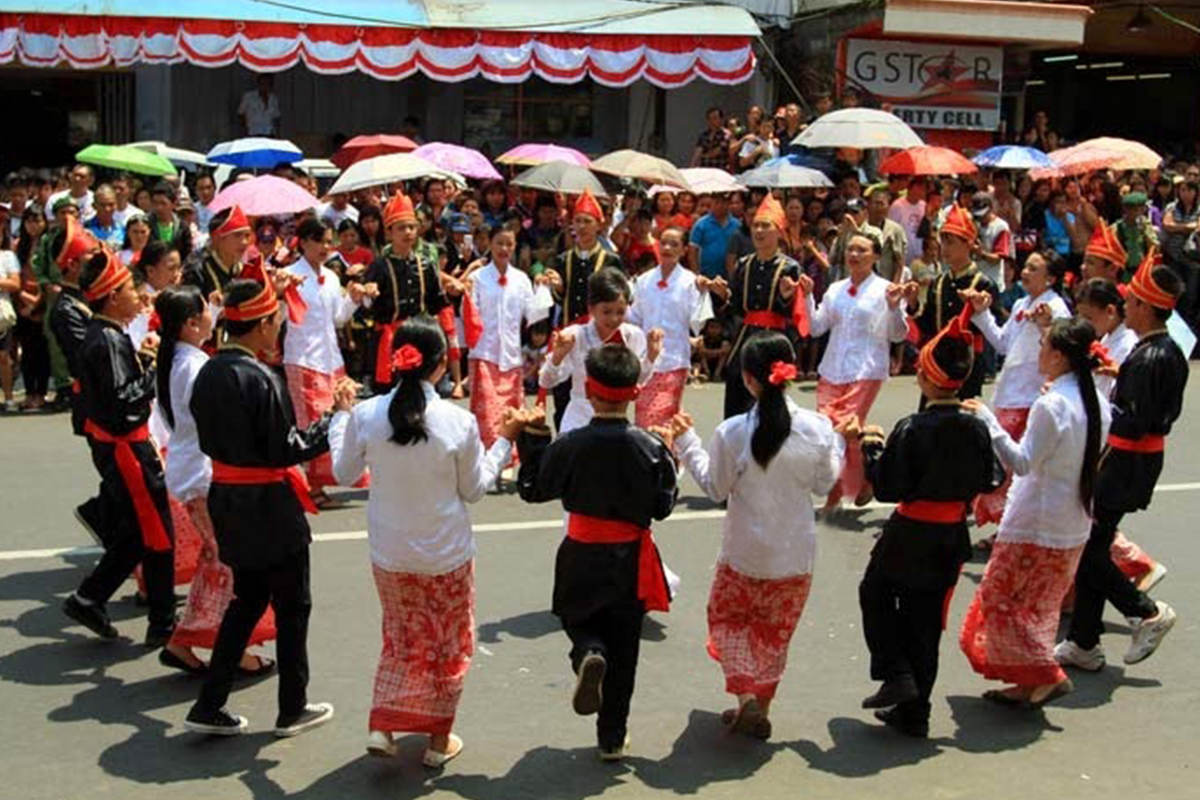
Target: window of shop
(497, 116)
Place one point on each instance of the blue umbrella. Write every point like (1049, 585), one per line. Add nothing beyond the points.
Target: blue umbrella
(255, 152)
(1011, 156)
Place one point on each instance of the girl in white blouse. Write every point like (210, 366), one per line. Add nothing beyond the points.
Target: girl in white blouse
(1018, 340)
(427, 462)
(767, 463)
(1010, 629)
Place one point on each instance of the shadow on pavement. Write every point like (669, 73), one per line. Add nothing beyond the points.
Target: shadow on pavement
(860, 750)
(985, 727)
(543, 772)
(530, 625)
(705, 753)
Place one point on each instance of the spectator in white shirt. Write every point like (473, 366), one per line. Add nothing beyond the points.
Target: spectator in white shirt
(767, 463)
(427, 462)
(120, 186)
(311, 357)
(863, 314)
(337, 209)
(80, 190)
(908, 211)
(206, 190)
(259, 109)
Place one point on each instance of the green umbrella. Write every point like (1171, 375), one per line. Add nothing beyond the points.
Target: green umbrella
(124, 157)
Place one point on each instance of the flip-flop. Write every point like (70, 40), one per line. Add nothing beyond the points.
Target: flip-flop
(1061, 690)
(1000, 698)
(435, 760)
(748, 718)
(169, 659)
(265, 667)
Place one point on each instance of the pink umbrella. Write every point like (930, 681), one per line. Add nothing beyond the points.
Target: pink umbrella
(1078, 160)
(456, 158)
(264, 196)
(532, 155)
(363, 147)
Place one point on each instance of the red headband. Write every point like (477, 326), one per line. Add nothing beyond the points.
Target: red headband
(959, 328)
(1105, 245)
(237, 222)
(1145, 289)
(76, 244)
(611, 394)
(110, 278)
(263, 304)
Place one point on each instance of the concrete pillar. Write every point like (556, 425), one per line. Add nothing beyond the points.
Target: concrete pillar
(152, 102)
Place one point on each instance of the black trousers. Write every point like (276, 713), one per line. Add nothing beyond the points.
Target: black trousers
(1099, 580)
(285, 586)
(125, 549)
(614, 631)
(903, 629)
(562, 398)
(35, 355)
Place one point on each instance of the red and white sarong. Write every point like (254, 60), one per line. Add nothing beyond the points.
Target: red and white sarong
(750, 626)
(1010, 628)
(428, 641)
(840, 402)
(186, 547)
(312, 395)
(660, 399)
(211, 591)
(990, 507)
(1132, 560)
(493, 391)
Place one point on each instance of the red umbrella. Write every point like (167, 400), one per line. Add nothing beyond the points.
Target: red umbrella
(380, 144)
(926, 160)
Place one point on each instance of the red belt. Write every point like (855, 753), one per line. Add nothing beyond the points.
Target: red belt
(154, 535)
(232, 475)
(944, 511)
(766, 319)
(652, 581)
(1150, 443)
(76, 386)
(383, 356)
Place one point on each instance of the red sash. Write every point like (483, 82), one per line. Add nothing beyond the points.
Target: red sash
(1150, 443)
(154, 535)
(232, 475)
(383, 356)
(766, 319)
(944, 511)
(652, 581)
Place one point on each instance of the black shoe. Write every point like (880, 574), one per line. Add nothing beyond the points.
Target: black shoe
(143, 602)
(313, 715)
(88, 515)
(92, 617)
(893, 693)
(159, 635)
(215, 723)
(898, 720)
(588, 696)
(172, 661)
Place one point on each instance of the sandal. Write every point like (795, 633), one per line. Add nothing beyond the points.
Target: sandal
(324, 502)
(1061, 689)
(435, 760)
(748, 717)
(169, 659)
(1003, 698)
(265, 667)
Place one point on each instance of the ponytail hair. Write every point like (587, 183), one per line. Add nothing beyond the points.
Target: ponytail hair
(175, 305)
(760, 355)
(1075, 338)
(420, 348)
(1102, 293)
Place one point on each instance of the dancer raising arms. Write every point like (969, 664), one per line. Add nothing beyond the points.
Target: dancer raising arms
(767, 462)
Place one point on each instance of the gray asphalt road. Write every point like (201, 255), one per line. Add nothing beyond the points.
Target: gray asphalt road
(89, 719)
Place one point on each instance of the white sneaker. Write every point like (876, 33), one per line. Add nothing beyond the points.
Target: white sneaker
(1069, 654)
(1152, 578)
(381, 745)
(1149, 633)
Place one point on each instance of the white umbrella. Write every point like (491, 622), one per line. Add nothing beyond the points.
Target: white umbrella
(709, 180)
(863, 128)
(560, 176)
(640, 166)
(782, 174)
(188, 159)
(318, 167)
(383, 170)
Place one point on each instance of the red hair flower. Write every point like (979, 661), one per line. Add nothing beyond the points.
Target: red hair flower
(407, 358)
(1100, 354)
(781, 373)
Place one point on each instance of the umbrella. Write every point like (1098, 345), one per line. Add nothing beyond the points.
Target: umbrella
(926, 160)
(560, 176)
(456, 158)
(123, 157)
(530, 155)
(1077, 160)
(255, 152)
(1135, 155)
(363, 147)
(188, 159)
(781, 173)
(318, 167)
(642, 167)
(1012, 156)
(863, 128)
(264, 196)
(384, 170)
(708, 180)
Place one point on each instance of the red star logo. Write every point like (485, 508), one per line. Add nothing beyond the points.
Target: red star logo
(946, 71)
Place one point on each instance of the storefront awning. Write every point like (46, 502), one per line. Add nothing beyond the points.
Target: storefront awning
(990, 20)
(614, 42)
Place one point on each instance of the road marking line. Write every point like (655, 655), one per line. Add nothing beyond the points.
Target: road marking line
(483, 527)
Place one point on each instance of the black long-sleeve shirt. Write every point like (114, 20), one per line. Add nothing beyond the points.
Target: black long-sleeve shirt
(69, 323)
(408, 287)
(607, 469)
(209, 275)
(244, 418)
(575, 268)
(117, 389)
